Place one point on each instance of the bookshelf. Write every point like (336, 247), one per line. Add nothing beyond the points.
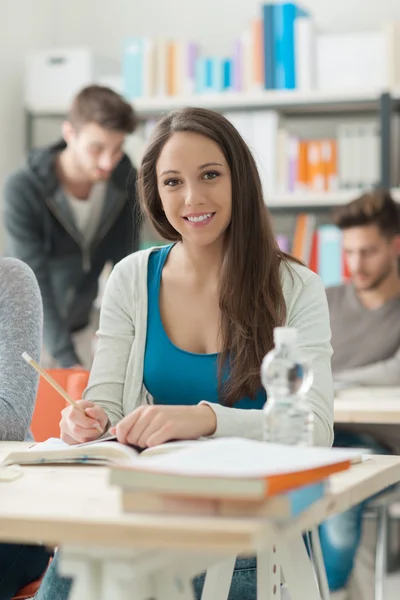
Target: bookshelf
(291, 103)
(286, 101)
(315, 200)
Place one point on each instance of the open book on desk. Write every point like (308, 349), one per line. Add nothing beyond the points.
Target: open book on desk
(229, 468)
(105, 451)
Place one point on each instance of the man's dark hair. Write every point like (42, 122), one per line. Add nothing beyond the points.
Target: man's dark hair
(101, 105)
(375, 208)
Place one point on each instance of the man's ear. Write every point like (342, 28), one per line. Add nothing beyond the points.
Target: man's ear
(396, 244)
(68, 132)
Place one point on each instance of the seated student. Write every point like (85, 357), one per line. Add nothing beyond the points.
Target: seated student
(184, 328)
(365, 322)
(21, 322)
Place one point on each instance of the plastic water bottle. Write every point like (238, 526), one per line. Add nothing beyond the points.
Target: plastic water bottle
(286, 379)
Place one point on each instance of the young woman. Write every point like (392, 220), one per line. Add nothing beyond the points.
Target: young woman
(21, 323)
(184, 328)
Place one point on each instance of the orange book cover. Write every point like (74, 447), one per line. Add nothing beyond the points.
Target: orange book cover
(303, 178)
(316, 168)
(299, 236)
(257, 41)
(278, 484)
(314, 253)
(329, 158)
(171, 67)
(271, 485)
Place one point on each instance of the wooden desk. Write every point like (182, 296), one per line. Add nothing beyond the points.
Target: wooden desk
(378, 405)
(144, 556)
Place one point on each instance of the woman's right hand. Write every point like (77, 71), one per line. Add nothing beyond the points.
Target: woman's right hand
(76, 427)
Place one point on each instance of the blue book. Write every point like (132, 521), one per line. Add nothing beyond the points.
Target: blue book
(284, 19)
(330, 255)
(269, 46)
(301, 498)
(217, 74)
(227, 72)
(133, 68)
(209, 69)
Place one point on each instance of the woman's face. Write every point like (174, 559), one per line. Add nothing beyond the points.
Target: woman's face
(194, 184)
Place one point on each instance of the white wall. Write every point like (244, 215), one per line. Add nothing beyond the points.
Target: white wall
(24, 26)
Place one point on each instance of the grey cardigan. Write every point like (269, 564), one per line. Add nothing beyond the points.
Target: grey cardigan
(21, 324)
(116, 380)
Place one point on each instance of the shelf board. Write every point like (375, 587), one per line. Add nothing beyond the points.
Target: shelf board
(283, 100)
(309, 200)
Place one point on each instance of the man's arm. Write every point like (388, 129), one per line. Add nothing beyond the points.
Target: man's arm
(384, 372)
(25, 239)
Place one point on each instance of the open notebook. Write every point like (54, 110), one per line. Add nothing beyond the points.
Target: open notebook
(106, 451)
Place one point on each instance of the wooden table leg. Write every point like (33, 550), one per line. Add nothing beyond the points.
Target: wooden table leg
(268, 575)
(298, 569)
(218, 580)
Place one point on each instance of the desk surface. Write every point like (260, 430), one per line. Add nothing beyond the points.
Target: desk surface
(368, 405)
(75, 505)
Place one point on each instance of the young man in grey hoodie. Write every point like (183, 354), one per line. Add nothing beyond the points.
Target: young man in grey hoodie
(68, 212)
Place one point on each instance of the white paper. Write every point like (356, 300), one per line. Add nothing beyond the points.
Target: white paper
(237, 457)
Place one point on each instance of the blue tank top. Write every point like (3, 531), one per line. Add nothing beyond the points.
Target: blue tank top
(172, 375)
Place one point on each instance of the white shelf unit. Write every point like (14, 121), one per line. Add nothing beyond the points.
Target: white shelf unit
(281, 100)
(318, 200)
(288, 102)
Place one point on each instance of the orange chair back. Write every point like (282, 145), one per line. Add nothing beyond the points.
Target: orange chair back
(28, 591)
(49, 404)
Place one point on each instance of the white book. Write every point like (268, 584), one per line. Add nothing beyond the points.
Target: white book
(265, 142)
(392, 33)
(305, 60)
(345, 138)
(234, 467)
(149, 68)
(243, 122)
(161, 61)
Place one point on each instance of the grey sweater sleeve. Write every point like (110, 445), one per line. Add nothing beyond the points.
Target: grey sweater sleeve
(21, 324)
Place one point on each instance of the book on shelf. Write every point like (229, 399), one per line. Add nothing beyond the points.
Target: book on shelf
(349, 159)
(275, 51)
(320, 248)
(233, 468)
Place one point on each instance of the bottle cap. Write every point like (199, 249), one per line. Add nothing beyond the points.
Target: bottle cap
(285, 335)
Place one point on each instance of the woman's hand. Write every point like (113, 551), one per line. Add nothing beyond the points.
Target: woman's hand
(152, 425)
(77, 427)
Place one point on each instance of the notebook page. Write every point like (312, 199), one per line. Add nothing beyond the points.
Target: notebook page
(237, 457)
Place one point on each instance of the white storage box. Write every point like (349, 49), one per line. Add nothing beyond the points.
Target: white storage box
(53, 77)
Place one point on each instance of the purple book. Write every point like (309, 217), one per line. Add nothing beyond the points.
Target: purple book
(283, 242)
(237, 67)
(192, 50)
(293, 161)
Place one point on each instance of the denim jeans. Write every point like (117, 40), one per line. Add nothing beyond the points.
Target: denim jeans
(243, 587)
(19, 565)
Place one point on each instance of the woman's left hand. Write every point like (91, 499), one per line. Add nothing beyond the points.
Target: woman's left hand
(152, 425)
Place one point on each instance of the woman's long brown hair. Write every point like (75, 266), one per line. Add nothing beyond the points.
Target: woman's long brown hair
(251, 299)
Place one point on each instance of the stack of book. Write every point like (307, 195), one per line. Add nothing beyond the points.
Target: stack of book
(231, 476)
